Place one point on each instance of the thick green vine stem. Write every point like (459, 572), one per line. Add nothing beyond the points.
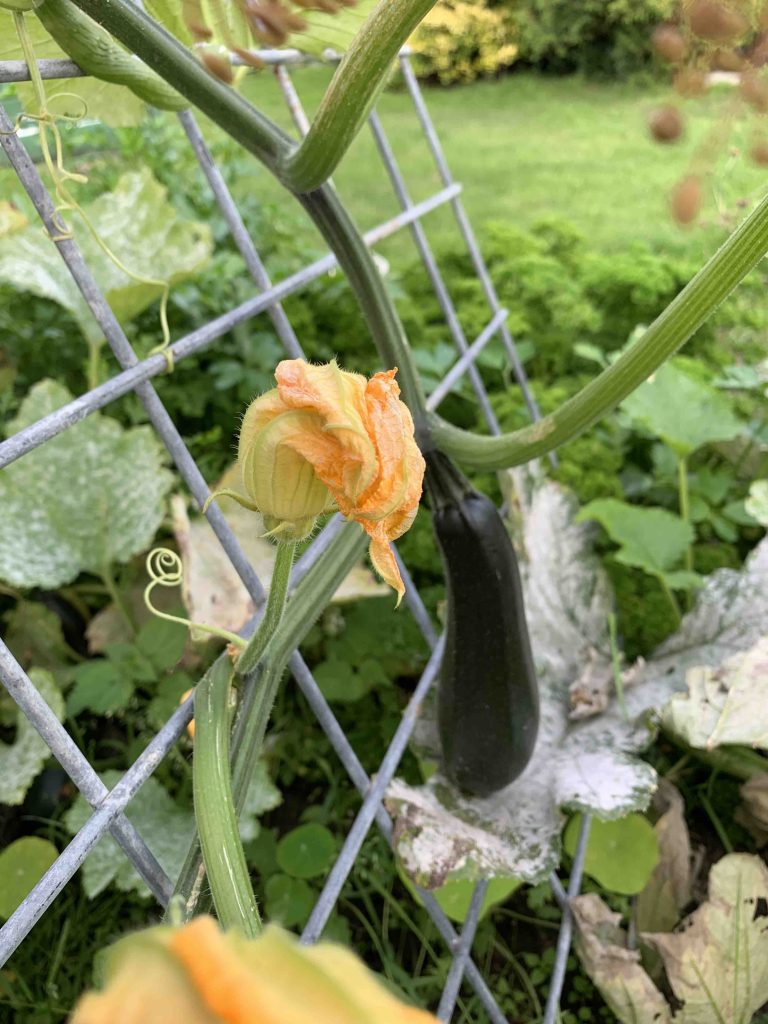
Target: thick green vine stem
(98, 54)
(278, 592)
(679, 321)
(348, 101)
(307, 602)
(215, 813)
(260, 136)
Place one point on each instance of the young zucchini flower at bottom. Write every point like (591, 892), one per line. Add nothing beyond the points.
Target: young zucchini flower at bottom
(197, 974)
(325, 438)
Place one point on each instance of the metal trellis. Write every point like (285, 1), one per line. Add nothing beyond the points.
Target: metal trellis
(136, 376)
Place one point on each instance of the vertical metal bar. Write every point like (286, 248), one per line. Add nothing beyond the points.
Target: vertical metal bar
(430, 264)
(466, 230)
(362, 783)
(340, 870)
(239, 232)
(461, 955)
(292, 100)
(552, 1009)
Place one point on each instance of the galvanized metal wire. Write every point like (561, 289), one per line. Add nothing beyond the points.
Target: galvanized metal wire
(136, 376)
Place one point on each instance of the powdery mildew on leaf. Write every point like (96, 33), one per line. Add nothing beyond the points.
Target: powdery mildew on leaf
(590, 765)
(90, 497)
(22, 761)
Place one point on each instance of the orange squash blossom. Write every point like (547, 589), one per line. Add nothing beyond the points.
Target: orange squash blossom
(325, 438)
(200, 975)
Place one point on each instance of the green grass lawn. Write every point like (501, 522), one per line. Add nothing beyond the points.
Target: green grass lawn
(526, 147)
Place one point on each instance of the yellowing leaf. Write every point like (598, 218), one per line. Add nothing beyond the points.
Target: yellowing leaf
(717, 962)
(727, 704)
(11, 219)
(143, 230)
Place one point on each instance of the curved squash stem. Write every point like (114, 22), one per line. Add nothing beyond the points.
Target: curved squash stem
(278, 593)
(307, 601)
(215, 812)
(740, 254)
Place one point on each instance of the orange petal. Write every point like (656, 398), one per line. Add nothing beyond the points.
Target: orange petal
(385, 564)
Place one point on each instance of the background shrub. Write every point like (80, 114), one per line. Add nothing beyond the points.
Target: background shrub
(460, 40)
(597, 37)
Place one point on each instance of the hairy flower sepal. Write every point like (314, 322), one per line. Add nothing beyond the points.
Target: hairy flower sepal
(323, 439)
(200, 975)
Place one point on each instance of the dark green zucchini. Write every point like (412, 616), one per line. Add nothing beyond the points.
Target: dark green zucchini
(488, 705)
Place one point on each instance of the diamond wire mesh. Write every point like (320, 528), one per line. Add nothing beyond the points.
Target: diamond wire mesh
(108, 807)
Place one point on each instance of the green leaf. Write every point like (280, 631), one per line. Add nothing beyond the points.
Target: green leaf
(262, 796)
(341, 683)
(22, 865)
(35, 636)
(85, 499)
(167, 698)
(621, 854)
(649, 538)
(455, 897)
(166, 828)
(682, 579)
(684, 412)
(99, 687)
(306, 851)
(131, 663)
(162, 642)
(23, 759)
(289, 901)
(141, 228)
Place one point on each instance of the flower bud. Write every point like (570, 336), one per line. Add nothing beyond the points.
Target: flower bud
(278, 480)
(197, 974)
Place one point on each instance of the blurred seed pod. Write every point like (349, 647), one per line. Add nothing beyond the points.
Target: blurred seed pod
(667, 40)
(690, 82)
(686, 199)
(272, 22)
(759, 153)
(248, 57)
(194, 19)
(666, 124)
(716, 23)
(216, 59)
(754, 90)
(727, 60)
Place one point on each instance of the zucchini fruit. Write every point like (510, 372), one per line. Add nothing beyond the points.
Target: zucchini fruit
(488, 705)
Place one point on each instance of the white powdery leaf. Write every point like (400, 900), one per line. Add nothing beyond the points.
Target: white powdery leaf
(92, 496)
(589, 765)
(22, 761)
